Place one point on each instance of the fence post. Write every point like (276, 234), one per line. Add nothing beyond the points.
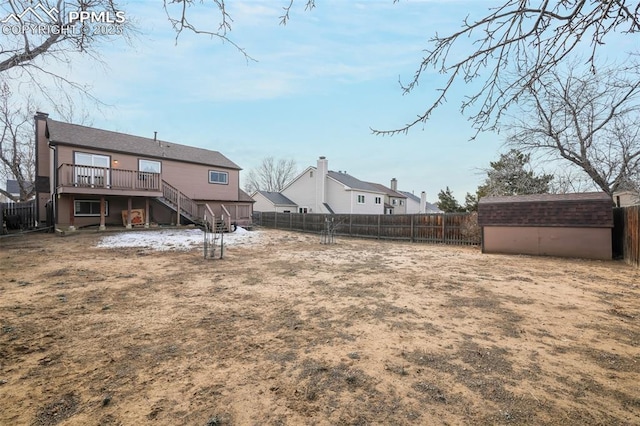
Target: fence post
(412, 228)
(378, 226)
(444, 227)
(275, 220)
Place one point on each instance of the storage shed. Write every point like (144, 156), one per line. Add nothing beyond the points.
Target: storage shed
(568, 225)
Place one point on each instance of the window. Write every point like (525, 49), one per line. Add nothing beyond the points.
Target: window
(91, 169)
(89, 208)
(149, 166)
(378, 200)
(310, 173)
(402, 202)
(360, 199)
(218, 177)
(394, 201)
(302, 210)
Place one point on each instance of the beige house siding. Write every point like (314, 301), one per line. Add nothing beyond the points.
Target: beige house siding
(626, 199)
(191, 179)
(183, 167)
(589, 243)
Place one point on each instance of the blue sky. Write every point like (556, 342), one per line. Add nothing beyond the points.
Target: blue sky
(318, 86)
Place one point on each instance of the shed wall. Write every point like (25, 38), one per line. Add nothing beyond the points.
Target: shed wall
(589, 243)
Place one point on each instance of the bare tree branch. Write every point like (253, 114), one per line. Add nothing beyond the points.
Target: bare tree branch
(506, 39)
(271, 175)
(589, 120)
(17, 149)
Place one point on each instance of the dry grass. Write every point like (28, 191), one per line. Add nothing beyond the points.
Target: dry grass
(294, 332)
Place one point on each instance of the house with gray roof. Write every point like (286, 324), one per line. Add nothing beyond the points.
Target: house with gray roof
(320, 190)
(420, 204)
(93, 177)
(266, 201)
(394, 201)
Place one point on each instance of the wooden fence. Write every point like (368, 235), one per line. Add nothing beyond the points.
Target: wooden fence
(449, 228)
(18, 215)
(626, 234)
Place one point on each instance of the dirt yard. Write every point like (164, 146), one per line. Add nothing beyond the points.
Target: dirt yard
(292, 332)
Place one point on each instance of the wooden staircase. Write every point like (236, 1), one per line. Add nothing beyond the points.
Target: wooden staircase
(189, 209)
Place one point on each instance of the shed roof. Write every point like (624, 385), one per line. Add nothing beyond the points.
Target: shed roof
(591, 209)
(581, 196)
(89, 137)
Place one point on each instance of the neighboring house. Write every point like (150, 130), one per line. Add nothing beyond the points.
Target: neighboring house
(87, 176)
(394, 201)
(626, 198)
(266, 201)
(420, 204)
(320, 190)
(413, 202)
(431, 208)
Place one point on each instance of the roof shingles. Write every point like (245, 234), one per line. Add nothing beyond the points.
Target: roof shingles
(566, 210)
(89, 137)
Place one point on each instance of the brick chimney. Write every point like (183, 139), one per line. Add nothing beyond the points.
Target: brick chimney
(394, 184)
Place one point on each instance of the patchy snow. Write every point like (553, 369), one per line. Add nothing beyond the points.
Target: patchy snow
(174, 239)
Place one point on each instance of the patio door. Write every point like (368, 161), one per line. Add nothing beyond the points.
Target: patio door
(91, 169)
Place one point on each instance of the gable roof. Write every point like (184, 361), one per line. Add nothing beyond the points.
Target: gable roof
(89, 137)
(432, 208)
(390, 192)
(352, 182)
(277, 198)
(410, 195)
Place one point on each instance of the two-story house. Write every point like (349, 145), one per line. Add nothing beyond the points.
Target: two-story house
(320, 190)
(394, 201)
(92, 177)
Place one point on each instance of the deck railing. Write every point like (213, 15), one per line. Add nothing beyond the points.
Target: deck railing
(73, 175)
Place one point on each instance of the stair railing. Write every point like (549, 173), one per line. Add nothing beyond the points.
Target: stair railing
(179, 200)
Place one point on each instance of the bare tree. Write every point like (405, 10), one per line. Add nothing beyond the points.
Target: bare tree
(588, 120)
(507, 38)
(270, 175)
(53, 29)
(17, 148)
(571, 180)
